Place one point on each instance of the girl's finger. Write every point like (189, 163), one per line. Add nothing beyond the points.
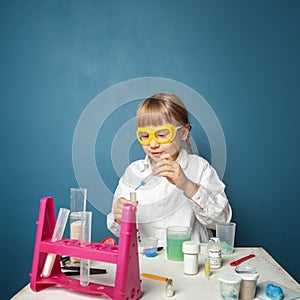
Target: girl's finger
(159, 170)
(162, 163)
(165, 156)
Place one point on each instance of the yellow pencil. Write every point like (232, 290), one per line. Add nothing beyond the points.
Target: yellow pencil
(155, 277)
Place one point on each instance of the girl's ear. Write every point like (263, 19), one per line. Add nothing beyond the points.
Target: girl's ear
(186, 129)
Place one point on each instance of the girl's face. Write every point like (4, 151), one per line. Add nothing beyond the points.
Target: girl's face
(154, 150)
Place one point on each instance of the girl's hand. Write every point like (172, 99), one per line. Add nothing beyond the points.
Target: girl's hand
(117, 208)
(170, 169)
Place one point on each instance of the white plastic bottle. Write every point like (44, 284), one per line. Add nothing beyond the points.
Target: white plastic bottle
(214, 251)
(190, 251)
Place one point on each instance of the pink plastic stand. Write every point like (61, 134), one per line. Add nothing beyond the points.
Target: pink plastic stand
(125, 256)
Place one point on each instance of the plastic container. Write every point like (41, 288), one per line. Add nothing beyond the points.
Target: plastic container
(248, 284)
(226, 233)
(176, 235)
(150, 246)
(229, 286)
(190, 251)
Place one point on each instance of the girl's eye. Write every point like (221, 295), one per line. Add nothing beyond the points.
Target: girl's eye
(144, 136)
(163, 133)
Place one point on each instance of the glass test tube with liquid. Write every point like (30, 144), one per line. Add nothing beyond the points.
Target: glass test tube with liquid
(77, 206)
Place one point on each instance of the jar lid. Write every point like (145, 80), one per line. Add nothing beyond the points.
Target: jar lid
(247, 272)
(191, 247)
(230, 278)
(215, 239)
(249, 276)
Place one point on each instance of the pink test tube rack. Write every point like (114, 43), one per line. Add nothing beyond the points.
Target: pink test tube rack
(124, 255)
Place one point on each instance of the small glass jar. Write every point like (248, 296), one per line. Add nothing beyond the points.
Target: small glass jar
(214, 251)
(170, 288)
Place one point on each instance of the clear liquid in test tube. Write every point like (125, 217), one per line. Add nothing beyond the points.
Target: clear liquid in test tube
(85, 239)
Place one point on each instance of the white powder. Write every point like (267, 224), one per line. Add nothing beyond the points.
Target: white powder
(75, 230)
(75, 233)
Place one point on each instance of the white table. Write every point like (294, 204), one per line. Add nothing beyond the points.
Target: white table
(186, 287)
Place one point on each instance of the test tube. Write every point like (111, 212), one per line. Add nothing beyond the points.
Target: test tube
(57, 235)
(77, 205)
(134, 202)
(207, 268)
(86, 228)
(133, 197)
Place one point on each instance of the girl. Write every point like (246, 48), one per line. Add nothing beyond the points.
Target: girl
(182, 189)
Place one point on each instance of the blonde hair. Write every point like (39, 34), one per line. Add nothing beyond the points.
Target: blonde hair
(163, 108)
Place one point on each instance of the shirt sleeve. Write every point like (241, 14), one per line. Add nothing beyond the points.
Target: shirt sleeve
(210, 202)
(113, 226)
(122, 190)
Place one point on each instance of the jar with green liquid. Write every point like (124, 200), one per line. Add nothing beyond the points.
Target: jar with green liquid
(176, 235)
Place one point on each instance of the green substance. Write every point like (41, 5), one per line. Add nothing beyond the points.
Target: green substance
(174, 246)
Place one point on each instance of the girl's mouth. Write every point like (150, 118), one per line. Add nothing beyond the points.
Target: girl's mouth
(156, 153)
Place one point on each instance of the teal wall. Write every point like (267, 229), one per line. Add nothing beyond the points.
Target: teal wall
(241, 56)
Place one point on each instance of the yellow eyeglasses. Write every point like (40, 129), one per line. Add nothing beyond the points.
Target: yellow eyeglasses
(161, 134)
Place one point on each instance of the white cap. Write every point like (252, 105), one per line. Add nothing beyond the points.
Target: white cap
(230, 278)
(247, 272)
(191, 247)
(215, 239)
(249, 276)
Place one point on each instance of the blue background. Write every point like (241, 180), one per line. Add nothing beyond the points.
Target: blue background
(241, 56)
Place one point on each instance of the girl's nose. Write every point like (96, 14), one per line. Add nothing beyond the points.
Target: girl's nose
(153, 144)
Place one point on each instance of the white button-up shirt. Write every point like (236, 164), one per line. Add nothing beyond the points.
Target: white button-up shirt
(162, 204)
